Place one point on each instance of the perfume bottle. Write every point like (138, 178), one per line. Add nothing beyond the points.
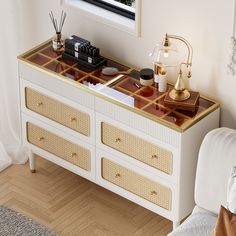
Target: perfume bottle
(57, 42)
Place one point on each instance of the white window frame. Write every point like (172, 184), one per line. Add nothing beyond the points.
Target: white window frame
(108, 17)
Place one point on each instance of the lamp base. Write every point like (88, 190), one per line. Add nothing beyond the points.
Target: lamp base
(179, 95)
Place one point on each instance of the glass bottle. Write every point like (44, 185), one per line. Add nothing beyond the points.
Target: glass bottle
(57, 42)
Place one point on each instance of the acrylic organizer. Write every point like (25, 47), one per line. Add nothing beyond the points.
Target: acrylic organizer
(127, 91)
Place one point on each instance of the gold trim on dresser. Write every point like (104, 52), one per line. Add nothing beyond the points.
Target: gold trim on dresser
(45, 60)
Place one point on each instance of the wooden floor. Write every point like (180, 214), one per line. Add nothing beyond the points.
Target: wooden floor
(71, 205)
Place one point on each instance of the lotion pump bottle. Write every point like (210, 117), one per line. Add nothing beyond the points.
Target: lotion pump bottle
(156, 73)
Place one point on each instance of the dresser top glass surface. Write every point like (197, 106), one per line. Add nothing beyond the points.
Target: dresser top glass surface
(124, 90)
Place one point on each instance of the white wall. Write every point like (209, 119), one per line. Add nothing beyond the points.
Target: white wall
(207, 24)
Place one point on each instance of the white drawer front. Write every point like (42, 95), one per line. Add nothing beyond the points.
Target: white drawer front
(59, 146)
(136, 147)
(136, 183)
(57, 111)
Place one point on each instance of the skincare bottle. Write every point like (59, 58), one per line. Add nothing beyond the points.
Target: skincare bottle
(162, 82)
(157, 68)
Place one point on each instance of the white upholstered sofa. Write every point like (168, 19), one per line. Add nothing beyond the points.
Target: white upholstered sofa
(217, 156)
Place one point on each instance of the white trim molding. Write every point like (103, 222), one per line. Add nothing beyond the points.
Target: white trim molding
(107, 17)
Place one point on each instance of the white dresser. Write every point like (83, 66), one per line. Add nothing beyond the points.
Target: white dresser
(120, 137)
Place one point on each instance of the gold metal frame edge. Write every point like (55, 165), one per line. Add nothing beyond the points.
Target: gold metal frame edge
(181, 129)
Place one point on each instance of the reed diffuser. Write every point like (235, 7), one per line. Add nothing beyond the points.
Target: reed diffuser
(57, 41)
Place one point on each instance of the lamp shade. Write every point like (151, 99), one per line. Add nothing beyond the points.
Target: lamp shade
(166, 56)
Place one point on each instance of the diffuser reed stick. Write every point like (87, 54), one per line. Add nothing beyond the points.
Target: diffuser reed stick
(57, 42)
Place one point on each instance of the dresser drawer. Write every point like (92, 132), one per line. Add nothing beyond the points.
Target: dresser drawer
(137, 148)
(57, 111)
(137, 184)
(58, 146)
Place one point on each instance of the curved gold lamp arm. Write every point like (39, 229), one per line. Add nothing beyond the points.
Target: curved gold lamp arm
(179, 92)
(188, 45)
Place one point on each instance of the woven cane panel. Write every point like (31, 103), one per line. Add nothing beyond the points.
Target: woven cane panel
(137, 184)
(137, 148)
(57, 111)
(58, 146)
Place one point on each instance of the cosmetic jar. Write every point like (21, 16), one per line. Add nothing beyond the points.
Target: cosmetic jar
(146, 76)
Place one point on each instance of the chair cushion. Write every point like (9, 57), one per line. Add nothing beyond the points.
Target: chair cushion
(217, 156)
(199, 223)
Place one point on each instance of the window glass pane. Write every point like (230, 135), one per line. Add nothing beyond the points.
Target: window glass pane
(122, 3)
(122, 7)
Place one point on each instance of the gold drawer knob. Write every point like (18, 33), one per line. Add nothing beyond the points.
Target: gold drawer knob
(118, 140)
(117, 175)
(154, 156)
(40, 138)
(153, 192)
(73, 119)
(73, 154)
(39, 104)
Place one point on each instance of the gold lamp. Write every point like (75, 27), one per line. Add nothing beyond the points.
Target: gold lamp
(179, 92)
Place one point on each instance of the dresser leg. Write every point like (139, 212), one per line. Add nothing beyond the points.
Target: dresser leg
(176, 224)
(32, 162)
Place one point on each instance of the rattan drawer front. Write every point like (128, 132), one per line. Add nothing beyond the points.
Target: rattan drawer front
(137, 184)
(58, 146)
(137, 148)
(57, 111)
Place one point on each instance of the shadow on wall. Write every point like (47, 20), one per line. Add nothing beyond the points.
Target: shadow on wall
(227, 118)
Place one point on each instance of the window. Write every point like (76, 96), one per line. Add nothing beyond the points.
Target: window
(121, 14)
(121, 7)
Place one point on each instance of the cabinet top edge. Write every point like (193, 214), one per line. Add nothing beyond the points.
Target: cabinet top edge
(190, 121)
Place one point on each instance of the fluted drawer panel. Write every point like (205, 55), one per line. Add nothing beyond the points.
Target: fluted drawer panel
(58, 146)
(137, 148)
(137, 184)
(57, 111)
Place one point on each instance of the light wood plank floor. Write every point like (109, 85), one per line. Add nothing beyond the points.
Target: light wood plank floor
(74, 206)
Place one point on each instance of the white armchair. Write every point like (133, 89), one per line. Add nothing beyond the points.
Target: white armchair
(217, 156)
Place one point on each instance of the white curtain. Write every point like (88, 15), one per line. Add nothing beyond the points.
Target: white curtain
(11, 150)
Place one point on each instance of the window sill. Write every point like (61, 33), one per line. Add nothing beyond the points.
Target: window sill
(108, 17)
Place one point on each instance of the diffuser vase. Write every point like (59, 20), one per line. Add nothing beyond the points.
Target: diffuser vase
(57, 42)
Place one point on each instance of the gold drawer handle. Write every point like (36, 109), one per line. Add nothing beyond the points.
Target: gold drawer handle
(73, 119)
(118, 140)
(39, 104)
(155, 156)
(153, 192)
(117, 175)
(73, 154)
(40, 138)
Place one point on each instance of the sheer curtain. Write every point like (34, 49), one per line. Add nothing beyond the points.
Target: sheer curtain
(11, 150)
